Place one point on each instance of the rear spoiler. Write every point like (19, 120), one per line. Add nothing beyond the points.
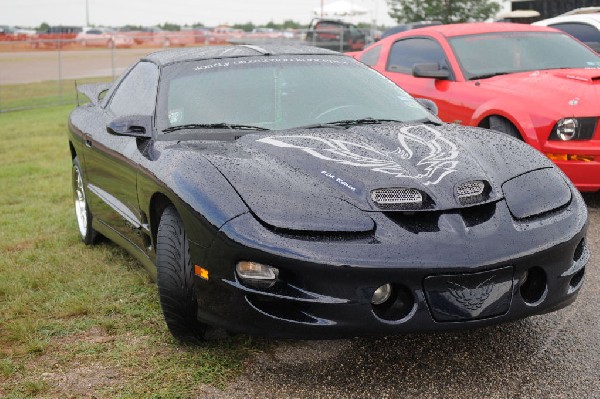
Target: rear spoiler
(93, 91)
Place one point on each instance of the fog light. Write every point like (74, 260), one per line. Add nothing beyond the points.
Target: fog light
(381, 294)
(533, 286)
(257, 272)
(570, 157)
(566, 129)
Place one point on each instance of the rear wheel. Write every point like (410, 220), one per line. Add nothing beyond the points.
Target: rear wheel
(175, 279)
(504, 126)
(82, 211)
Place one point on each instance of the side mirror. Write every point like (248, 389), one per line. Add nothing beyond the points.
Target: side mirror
(428, 105)
(131, 125)
(430, 71)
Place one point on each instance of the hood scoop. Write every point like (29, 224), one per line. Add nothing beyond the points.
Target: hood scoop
(400, 198)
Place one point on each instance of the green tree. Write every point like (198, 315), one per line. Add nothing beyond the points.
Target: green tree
(170, 26)
(43, 28)
(446, 11)
(247, 27)
(291, 24)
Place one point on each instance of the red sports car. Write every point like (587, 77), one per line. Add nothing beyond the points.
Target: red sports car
(535, 83)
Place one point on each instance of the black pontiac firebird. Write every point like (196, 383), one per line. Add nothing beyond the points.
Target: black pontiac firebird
(293, 192)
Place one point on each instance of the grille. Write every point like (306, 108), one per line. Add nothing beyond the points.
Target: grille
(401, 198)
(470, 192)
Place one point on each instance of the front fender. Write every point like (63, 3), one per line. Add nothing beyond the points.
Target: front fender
(533, 127)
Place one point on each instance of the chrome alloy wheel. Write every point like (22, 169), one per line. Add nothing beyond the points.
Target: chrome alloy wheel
(80, 204)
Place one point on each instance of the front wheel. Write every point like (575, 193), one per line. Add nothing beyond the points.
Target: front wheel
(504, 126)
(175, 279)
(82, 211)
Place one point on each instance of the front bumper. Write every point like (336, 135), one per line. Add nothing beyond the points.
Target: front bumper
(326, 285)
(584, 175)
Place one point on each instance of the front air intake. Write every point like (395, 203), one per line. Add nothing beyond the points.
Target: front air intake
(471, 192)
(397, 198)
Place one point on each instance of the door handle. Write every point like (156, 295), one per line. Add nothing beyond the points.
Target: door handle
(88, 140)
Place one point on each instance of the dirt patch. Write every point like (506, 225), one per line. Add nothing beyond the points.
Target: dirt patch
(80, 378)
(83, 381)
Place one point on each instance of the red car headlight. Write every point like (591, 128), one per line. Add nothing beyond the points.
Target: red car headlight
(574, 129)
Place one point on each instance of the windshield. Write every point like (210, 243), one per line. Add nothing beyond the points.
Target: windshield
(279, 93)
(507, 52)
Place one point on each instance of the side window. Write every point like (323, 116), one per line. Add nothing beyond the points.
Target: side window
(406, 53)
(584, 32)
(370, 57)
(136, 95)
(354, 31)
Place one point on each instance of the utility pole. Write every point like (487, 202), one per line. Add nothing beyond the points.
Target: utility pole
(87, 12)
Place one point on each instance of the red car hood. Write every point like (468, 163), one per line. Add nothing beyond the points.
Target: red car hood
(575, 90)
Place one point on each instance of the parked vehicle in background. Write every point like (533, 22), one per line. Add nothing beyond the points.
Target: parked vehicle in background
(7, 33)
(155, 36)
(534, 83)
(56, 37)
(224, 34)
(14, 33)
(584, 27)
(335, 35)
(292, 192)
(167, 38)
(143, 36)
(406, 27)
(99, 37)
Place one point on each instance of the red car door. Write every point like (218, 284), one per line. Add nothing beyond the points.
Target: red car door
(396, 61)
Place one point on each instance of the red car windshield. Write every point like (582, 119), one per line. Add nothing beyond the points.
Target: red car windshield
(491, 54)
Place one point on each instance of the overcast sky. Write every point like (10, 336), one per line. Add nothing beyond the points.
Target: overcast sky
(151, 12)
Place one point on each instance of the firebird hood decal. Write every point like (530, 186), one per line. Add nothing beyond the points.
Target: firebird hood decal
(310, 170)
(439, 161)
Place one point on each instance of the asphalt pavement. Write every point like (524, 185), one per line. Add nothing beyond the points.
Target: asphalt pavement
(556, 355)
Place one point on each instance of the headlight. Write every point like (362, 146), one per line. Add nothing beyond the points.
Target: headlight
(535, 193)
(574, 129)
(257, 274)
(566, 128)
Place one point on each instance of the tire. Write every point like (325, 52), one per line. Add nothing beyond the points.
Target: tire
(82, 210)
(504, 126)
(175, 279)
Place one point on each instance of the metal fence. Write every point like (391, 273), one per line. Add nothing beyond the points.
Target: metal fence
(42, 71)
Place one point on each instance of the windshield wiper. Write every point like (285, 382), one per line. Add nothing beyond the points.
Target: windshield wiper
(367, 121)
(488, 75)
(222, 125)
(350, 122)
(426, 121)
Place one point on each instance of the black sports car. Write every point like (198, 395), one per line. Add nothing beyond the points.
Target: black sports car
(294, 192)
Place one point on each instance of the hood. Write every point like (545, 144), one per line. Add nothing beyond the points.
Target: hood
(302, 179)
(565, 91)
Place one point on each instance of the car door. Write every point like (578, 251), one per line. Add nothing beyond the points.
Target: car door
(398, 64)
(111, 173)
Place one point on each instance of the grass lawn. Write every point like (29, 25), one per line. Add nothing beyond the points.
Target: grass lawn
(40, 94)
(79, 321)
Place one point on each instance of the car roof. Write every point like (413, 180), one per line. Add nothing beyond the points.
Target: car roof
(593, 19)
(222, 52)
(476, 28)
